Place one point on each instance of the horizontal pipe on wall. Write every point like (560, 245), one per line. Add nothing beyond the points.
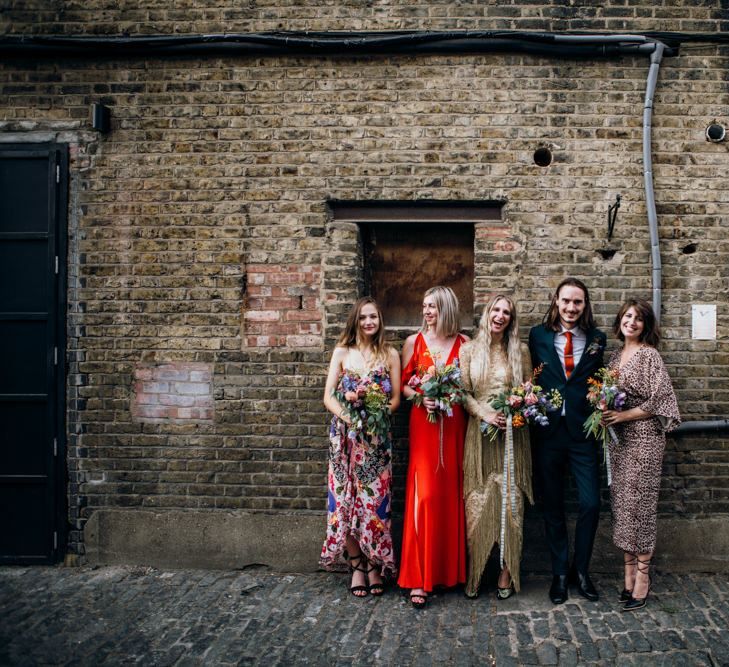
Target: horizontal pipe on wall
(700, 426)
(593, 45)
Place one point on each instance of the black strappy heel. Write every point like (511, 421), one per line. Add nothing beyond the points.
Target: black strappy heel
(638, 603)
(358, 563)
(375, 589)
(422, 600)
(626, 594)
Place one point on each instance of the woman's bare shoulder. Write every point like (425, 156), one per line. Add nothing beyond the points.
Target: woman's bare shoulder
(339, 353)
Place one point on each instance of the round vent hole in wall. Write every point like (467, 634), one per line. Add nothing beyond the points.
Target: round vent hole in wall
(543, 157)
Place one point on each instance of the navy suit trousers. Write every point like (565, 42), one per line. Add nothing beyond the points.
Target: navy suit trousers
(553, 453)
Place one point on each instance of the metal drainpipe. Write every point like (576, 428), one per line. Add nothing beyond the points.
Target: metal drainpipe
(657, 49)
(650, 200)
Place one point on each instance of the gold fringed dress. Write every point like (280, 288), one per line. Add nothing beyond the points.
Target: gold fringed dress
(483, 463)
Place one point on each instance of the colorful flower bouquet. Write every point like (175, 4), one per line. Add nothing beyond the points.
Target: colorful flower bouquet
(527, 403)
(366, 399)
(441, 382)
(603, 394)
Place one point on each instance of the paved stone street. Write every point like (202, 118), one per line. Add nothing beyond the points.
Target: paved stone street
(131, 615)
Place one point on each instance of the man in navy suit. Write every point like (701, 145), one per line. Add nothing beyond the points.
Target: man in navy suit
(571, 349)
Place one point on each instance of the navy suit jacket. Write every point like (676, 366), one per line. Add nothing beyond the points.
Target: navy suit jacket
(574, 389)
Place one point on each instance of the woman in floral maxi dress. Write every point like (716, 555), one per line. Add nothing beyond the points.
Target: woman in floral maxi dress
(636, 459)
(360, 463)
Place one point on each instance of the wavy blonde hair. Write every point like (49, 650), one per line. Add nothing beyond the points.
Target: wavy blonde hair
(448, 317)
(510, 342)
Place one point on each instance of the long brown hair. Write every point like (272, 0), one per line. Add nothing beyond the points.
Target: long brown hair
(350, 337)
(586, 321)
(510, 342)
(651, 334)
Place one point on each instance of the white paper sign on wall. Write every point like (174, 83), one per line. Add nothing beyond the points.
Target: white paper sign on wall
(703, 321)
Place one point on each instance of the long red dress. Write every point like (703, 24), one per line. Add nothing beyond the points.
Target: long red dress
(434, 532)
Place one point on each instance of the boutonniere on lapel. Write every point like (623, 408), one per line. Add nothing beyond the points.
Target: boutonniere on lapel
(594, 347)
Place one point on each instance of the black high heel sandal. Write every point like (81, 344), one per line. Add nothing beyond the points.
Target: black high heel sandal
(358, 563)
(638, 603)
(375, 589)
(422, 600)
(626, 594)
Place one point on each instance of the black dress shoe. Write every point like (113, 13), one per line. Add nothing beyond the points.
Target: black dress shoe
(586, 588)
(558, 589)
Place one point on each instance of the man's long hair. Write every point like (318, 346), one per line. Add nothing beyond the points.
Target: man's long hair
(586, 321)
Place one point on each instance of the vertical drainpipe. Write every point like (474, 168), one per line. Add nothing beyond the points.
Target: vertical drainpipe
(656, 55)
(650, 200)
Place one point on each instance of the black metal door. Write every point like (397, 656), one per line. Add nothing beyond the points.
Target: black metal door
(32, 306)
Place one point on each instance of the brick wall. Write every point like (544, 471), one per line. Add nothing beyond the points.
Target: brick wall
(153, 16)
(172, 392)
(200, 235)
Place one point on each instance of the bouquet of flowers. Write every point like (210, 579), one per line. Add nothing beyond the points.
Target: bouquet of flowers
(527, 403)
(603, 394)
(441, 382)
(366, 399)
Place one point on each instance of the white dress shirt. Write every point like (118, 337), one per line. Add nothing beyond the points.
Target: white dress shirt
(579, 340)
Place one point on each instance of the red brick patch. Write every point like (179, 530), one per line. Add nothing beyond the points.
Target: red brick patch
(283, 307)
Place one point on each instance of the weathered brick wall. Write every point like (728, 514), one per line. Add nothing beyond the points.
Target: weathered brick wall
(148, 17)
(200, 232)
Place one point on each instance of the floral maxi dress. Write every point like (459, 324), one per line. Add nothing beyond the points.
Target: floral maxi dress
(359, 489)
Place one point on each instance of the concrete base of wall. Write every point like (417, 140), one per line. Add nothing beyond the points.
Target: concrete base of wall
(291, 543)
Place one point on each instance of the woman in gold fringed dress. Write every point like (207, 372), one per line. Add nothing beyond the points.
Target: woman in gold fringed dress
(494, 361)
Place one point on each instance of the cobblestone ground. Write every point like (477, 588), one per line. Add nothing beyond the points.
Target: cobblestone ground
(127, 615)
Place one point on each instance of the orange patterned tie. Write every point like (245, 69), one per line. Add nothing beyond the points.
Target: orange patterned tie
(569, 360)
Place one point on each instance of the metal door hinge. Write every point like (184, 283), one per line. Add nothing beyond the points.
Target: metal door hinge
(55, 446)
(56, 264)
(58, 173)
(55, 356)
(55, 540)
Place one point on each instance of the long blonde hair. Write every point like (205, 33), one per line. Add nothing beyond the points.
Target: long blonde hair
(509, 343)
(448, 317)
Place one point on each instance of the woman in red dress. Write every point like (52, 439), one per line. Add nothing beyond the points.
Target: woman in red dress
(434, 531)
